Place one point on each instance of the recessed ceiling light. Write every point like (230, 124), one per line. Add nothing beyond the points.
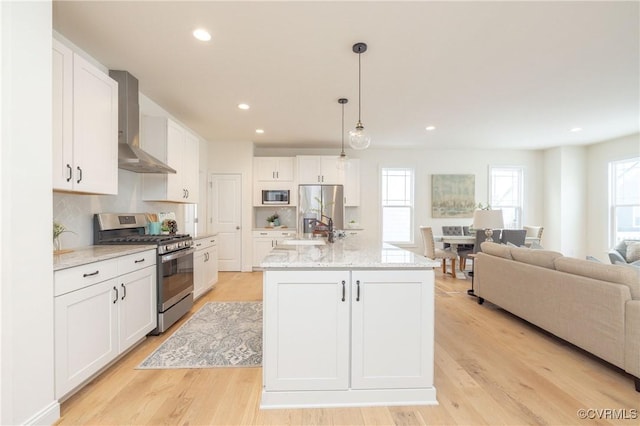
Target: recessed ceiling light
(259, 131)
(202, 34)
(430, 128)
(243, 106)
(576, 129)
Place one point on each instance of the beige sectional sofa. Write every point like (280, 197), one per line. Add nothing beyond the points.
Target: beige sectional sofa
(593, 305)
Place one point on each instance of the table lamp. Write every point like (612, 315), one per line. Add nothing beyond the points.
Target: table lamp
(488, 220)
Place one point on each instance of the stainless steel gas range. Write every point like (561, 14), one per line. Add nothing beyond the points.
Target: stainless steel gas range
(175, 261)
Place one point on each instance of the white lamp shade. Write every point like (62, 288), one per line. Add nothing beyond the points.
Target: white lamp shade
(488, 219)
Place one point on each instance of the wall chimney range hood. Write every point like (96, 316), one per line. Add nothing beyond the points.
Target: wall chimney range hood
(130, 156)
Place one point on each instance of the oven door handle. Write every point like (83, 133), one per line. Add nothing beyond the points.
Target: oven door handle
(176, 255)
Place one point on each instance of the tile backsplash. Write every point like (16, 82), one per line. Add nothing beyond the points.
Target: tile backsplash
(75, 211)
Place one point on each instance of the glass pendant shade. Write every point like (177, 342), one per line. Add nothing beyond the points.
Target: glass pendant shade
(358, 139)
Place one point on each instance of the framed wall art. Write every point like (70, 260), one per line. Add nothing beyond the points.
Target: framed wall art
(453, 196)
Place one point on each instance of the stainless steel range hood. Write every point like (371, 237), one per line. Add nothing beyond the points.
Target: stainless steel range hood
(130, 156)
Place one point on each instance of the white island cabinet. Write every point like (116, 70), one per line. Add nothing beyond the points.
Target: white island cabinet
(345, 326)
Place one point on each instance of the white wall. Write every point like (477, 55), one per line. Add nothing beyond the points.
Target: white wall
(236, 158)
(598, 158)
(26, 279)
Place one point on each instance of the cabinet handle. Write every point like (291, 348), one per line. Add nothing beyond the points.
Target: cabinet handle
(206, 257)
(278, 175)
(124, 291)
(263, 233)
(116, 299)
(357, 290)
(198, 245)
(187, 193)
(139, 260)
(91, 274)
(323, 178)
(273, 175)
(80, 178)
(70, 173)
(343, 290)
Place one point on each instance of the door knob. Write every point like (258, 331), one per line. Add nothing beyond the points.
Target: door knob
(237, 227)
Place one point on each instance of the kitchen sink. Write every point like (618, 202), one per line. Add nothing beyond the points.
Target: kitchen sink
(309, 242)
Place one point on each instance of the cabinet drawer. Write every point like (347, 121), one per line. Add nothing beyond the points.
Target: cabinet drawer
(133, 262)
(71, 279)
(203, 243)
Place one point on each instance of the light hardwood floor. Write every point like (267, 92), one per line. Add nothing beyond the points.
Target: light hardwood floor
(490, 368)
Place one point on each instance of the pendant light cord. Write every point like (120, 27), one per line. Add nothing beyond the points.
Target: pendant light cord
(342, 134)
(359, 86)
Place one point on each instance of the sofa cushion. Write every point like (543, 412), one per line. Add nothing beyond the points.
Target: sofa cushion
(496, 249)
(543, 258)
(601, 271)
(633, 252)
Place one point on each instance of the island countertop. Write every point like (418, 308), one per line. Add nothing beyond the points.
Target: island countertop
(348, 253)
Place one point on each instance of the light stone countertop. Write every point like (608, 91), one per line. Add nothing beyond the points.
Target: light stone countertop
(347, 253)
(90, 254)
(204, 235)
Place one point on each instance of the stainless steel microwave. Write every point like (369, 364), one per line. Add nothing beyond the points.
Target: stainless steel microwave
(275, 196)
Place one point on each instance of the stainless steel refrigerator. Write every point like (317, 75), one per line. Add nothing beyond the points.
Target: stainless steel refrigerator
(315, 201)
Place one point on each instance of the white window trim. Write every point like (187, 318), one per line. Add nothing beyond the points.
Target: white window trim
(612, 199)
(412, 242)
(521, 207)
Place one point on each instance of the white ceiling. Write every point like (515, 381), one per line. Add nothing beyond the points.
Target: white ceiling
(486, 74)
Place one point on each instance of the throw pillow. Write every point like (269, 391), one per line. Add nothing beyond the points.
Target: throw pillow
(536, 246)
(593, 259)
(633, 252)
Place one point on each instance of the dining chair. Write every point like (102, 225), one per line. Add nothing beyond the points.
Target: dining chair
(513, 236)
(431, 252)
(533, 232)
(450, 230)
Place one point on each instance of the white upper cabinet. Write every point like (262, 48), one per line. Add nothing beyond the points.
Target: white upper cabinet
(172, 144)
(274, 169)
(85, 125)
(319, 169)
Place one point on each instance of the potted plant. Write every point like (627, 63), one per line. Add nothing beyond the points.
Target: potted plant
(274, 220)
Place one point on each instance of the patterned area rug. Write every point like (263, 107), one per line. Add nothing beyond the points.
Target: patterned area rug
(220, 334)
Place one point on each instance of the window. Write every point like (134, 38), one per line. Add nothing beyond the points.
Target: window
(625, 199)
(397, 205)
(505, 192)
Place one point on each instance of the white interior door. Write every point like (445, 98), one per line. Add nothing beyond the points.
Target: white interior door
(226, 217)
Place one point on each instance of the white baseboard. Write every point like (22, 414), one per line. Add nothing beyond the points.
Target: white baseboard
(47, 416)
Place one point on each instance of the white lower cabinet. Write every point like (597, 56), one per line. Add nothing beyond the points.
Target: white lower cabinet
(265, 241)
(205, 265)
(355, 337)
(97, 319)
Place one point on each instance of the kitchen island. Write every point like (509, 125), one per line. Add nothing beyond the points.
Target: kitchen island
(347, 324)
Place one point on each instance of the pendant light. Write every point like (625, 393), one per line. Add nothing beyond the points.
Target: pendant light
(343, 161)
(358, 139)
